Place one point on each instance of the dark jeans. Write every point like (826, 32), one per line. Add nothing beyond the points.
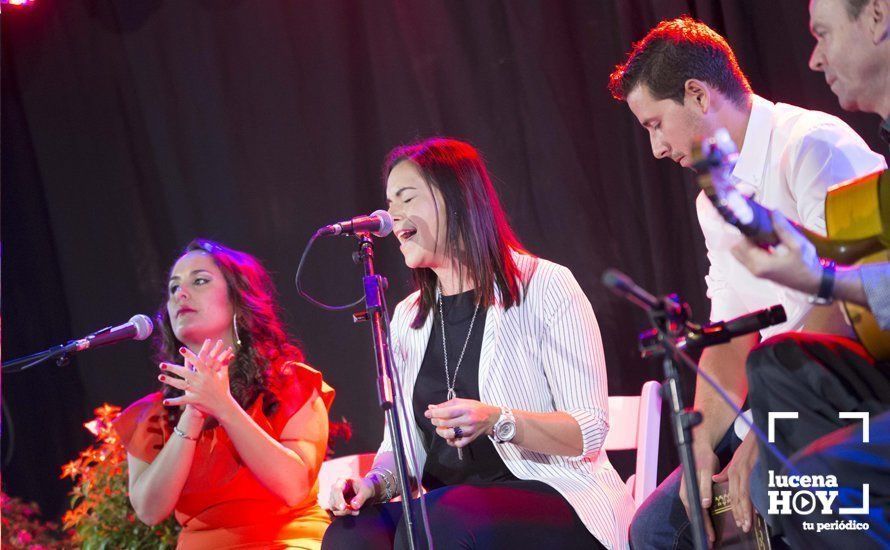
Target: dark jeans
(509, 515)
(661, 521)
(818, 376)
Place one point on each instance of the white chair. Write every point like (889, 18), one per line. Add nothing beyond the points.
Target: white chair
(634, 423)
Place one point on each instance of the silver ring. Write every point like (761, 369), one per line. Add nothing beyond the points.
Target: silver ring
(458, 433)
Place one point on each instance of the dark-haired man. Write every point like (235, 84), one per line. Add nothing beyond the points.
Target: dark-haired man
(815, 375)
(682, 82)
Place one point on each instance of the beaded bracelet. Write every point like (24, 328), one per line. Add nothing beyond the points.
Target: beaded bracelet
(379, 472)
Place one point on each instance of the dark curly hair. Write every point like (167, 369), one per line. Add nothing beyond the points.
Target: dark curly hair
(264, 344)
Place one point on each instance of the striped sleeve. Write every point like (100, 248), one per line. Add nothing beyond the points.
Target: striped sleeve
(876, 282)
(573, 360)
(399, 344)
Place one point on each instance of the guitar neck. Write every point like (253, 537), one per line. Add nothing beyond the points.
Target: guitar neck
(759, 229)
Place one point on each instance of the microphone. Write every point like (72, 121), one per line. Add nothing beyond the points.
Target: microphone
(696, 337)
(724, 331)
(622, 285)
(139, 327)
(378, 223)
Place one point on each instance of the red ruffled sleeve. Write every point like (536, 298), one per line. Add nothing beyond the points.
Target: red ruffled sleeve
(293, 385)
(141, 427)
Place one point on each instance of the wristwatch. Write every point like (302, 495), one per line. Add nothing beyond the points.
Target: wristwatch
(505, 428)
(825, 295)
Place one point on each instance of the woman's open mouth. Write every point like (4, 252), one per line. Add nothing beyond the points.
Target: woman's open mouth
(404, 235)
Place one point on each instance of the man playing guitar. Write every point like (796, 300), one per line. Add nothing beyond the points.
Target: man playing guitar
(682, 82)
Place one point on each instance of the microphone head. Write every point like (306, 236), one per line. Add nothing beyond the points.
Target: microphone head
(385, 223)
(615, 280)
(144, 326)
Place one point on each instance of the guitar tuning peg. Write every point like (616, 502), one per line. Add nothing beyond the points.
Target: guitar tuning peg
(723, 141)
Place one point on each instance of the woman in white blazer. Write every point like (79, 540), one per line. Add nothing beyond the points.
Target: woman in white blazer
(501, 366)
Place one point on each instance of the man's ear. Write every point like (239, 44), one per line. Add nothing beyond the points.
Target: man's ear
(698, 94)
(877, 20)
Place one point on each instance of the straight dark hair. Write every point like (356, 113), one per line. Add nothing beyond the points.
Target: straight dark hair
(478, 236)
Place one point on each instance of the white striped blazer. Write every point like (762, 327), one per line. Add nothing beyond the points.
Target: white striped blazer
(544, 355)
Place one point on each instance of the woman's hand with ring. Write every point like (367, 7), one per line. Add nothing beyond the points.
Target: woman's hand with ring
(204, 378)
(461, 421)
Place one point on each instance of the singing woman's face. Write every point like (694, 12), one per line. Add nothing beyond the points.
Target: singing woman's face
(198, 300)
(419, 216)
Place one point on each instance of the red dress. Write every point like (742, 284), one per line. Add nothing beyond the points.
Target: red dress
(223, 505)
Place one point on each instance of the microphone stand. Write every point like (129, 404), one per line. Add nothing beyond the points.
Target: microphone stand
(669, 317)
(61, 352)
(376, 312)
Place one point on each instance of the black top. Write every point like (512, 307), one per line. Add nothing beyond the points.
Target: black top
(481, 462)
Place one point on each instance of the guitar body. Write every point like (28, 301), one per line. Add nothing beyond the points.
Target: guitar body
(860, 209)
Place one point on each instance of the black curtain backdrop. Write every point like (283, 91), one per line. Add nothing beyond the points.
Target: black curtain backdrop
(131, 127)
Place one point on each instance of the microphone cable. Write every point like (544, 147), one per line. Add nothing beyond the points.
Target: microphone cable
(298, 283)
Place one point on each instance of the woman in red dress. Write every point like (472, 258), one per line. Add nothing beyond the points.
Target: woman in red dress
(233, 444)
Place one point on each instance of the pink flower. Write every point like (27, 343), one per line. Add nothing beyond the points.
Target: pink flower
(23, 537)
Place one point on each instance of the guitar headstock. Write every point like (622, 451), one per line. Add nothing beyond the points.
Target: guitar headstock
(714, 161)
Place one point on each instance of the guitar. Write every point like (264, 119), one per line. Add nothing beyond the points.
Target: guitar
(857, 219)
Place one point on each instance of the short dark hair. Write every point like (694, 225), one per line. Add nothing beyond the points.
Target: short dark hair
(672, 53)
(854, 8)
(477, 232)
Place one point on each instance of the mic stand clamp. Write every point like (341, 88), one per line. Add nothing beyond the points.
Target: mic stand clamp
(61, 353)
(669, 322)
(375, 311)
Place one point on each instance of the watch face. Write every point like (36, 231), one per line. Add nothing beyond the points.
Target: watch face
(506, 431)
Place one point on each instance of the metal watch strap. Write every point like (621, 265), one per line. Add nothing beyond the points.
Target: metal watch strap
(506, 416)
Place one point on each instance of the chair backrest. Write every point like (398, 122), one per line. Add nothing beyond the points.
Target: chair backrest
(634, 423)
(344, 466)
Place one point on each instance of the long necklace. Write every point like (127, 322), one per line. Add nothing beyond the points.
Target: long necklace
(450, 381)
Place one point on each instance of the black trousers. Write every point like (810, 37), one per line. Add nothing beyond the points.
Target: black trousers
(819, 376)
(503, 515)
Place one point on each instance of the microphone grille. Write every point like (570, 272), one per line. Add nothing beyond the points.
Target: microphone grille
(385, 223)
(614, 279)
(144, 326)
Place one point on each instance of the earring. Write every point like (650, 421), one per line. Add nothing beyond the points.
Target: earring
(235, 327)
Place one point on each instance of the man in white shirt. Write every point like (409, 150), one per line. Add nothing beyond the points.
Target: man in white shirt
(682, 82)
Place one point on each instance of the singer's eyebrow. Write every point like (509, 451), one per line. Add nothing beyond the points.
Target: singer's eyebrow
(399, 192)
(177, 277)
